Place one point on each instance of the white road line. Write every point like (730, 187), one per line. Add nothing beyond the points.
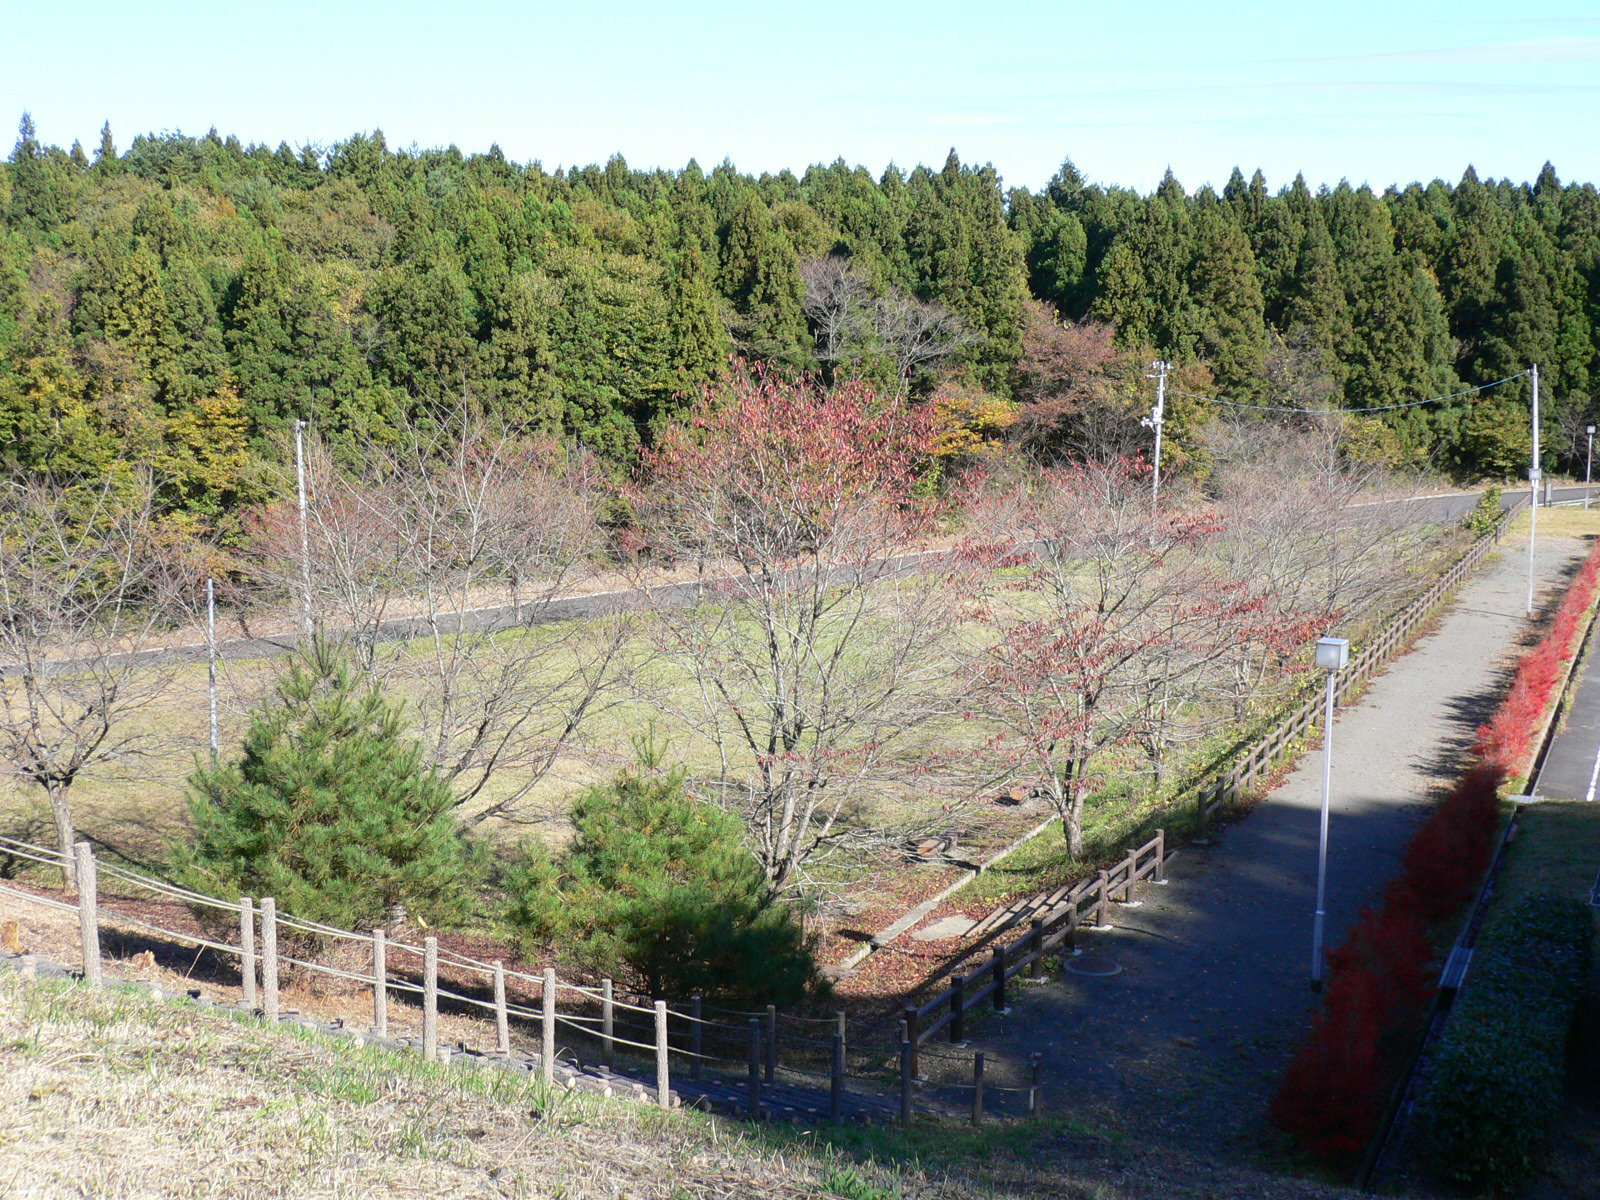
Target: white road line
(1594, 775)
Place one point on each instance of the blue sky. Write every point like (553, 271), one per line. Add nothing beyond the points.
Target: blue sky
(1372, 92)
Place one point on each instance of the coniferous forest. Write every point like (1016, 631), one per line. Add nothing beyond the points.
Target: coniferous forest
(181, 301)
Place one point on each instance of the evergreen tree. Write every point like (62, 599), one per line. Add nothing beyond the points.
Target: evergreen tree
(328, 809)
(658, 890)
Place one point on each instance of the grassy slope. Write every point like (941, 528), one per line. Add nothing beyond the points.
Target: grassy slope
(114, 1095)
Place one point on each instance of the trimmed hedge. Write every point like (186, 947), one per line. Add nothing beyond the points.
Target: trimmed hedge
(1494, 1087)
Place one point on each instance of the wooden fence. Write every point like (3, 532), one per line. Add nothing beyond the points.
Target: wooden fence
(762, 1064)
(1284, 739)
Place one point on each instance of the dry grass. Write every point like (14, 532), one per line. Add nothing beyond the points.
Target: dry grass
(116, 1096)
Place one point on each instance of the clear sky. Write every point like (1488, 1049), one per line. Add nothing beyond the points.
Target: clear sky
(1376, 92)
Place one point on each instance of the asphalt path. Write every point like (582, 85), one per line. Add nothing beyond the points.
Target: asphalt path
(1189, 1037)
(1441, 507)
(1571, 769)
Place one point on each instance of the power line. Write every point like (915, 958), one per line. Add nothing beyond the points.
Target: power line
(1484, 387)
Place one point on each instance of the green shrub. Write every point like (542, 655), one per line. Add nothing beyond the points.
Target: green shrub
(1482, 518)
(328, 809)
(1494, 1086)
(658, 891)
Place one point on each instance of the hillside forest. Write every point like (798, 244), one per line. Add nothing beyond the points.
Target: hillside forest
(179, 303)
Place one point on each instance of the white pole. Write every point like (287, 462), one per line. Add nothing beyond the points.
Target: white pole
(211, 664)
(305, 534)
(1322, 844)
(1156, 419)
(1533, 486)
(1588, 467)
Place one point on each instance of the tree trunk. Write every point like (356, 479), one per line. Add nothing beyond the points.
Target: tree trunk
(66, 835)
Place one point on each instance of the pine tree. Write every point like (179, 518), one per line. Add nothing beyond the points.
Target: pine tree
(328, 809)
(657, 889)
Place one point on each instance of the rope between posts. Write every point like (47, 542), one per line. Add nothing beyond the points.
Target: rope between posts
(110, 914)
(47, 901)
(112, 871)
(560, 1020)
(49, 858)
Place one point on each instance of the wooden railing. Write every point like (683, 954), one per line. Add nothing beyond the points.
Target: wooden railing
(1284, 739)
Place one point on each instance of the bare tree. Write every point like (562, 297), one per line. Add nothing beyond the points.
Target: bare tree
(438, 559)
(1106, 624)
(90, 581)
(851, 321)
(811, 650)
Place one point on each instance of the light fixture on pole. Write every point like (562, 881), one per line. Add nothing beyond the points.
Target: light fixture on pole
(1588, 464)
(1158, 372)
(1332, 655)
(305, 532)
(1534, 475)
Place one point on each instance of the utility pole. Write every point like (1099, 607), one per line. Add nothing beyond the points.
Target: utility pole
(1534, 475)
(211, 664)
(1588, 467)
(305, 532)
(1158, 372)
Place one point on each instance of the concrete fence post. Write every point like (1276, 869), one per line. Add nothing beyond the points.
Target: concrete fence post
(1161, 856)
(608, 1016)
(269, 957)
(247, 953)
(430, 999)
(88, 912)
(663, 1084)
(547, 1046)
(502, 1018)
(380, 983)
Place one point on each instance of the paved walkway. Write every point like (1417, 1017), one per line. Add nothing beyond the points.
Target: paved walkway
(1188, 1041)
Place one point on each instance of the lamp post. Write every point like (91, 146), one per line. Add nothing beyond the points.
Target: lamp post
(1158, 372)
(1588, 464)
(1534, 475)
(1332, 654)
(305, 536)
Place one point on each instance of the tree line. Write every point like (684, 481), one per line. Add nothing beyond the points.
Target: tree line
(181, 302)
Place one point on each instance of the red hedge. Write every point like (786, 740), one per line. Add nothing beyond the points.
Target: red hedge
(1335, 1090)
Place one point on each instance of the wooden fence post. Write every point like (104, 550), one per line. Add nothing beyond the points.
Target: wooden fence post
(772, 1043)
(1161, 856)
(755, 1069)
(502, 1019)
(1036, 948)
(1102, 901)
(998, 964)
(547, 1047)
(608, 1046)
(430, 999)
(836, 1080)
(958, 1006)
(663, 1084)
(1033, 1085)
(908, 1020)
(907, 1071)
(696, 1041)
(1131, 864)
(977, 1088)
(88, 913)
(842, 1031)
(247, 953)
(269, 957)
(380, 983)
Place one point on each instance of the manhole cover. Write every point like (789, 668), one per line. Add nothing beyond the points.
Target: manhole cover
(1094, 964)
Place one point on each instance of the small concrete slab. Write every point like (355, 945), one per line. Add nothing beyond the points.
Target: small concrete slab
(945, 927)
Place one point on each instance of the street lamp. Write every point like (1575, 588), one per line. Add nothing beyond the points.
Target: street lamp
(1588, 464)
(1332, 654)
(1158, 372)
